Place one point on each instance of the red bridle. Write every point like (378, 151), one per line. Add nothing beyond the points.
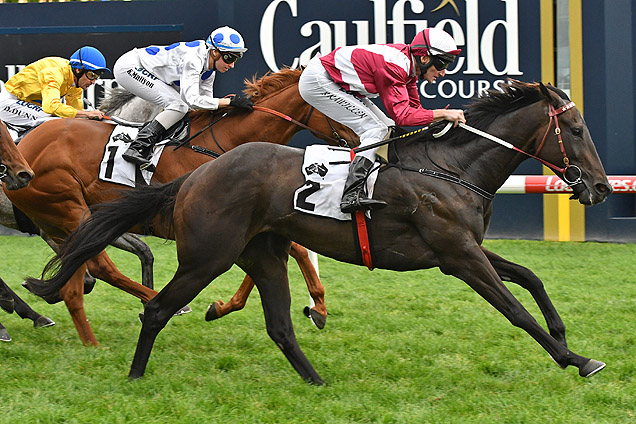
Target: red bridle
(553, 114)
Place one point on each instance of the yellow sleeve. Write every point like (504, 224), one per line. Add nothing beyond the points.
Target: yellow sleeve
(51, 79)
(74, 98)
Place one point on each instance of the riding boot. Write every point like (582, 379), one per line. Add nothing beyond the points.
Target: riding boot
(140, 150)
(354, 196)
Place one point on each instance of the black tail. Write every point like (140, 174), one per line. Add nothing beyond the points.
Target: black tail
(107, 222)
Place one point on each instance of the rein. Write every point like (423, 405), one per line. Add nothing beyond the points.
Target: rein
(553, 114)
(336, 137)
(198, 133)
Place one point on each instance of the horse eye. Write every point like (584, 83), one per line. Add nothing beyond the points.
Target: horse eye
(577, 131)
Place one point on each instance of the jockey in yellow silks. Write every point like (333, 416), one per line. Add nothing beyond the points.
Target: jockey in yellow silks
(35, 93)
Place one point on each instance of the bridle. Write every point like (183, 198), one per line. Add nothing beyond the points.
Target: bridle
(553, 114)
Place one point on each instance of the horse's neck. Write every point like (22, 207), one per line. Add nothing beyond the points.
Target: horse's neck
(239, 127)
(484, 162)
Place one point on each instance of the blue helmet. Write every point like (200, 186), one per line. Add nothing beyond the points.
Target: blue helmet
(88, 58)
(226, 39)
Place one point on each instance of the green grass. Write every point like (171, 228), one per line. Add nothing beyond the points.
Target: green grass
(416, 347)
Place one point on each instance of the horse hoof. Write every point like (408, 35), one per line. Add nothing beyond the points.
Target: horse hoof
(185, 310)
(210, 314)
(591, 367)
(4, 335)
(318, 319)
(89, 284)
(7, 304)
(43, 321)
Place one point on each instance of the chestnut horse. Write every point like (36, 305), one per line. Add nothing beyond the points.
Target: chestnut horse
(66, 153)
(439, 194)
(15, 173)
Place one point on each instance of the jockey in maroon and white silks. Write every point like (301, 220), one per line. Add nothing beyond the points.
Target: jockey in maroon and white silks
(341, 83)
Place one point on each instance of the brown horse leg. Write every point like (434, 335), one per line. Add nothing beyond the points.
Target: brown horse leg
(317, 313)
(73, 295)
(102, 267)
(219, 309)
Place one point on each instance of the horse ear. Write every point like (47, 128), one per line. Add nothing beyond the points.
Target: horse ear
(546, 93)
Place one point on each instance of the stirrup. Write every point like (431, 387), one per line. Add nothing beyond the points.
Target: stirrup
(147, 166)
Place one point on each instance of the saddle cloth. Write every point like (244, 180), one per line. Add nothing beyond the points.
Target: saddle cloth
(325, 169)
(113, 168)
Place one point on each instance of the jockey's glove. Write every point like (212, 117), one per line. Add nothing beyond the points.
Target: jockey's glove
(242, 103)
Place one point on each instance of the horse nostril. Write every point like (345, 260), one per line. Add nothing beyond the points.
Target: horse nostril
(604, 189)
(25, 176)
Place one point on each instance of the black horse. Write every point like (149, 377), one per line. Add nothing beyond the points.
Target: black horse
(238, 209)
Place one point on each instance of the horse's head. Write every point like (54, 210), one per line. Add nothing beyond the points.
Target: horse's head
(15, 172)
(567, 144)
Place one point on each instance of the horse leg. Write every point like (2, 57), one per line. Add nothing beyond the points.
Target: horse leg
(198, 266)
(6, 297)
(318, 312)
(265, 259)
(102, 267)
(473, 267)
(219, 309)
(510, 271)
(4, 334)
(73, 295)
(133, 244)
(23, 310)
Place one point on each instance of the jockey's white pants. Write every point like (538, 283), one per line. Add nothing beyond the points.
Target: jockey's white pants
(360, 114)
(130, 74)
(20, 115)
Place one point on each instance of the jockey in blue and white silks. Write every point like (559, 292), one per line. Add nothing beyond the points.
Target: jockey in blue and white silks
(178, 77)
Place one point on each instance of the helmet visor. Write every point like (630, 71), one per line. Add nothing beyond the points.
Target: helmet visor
(93, 75)
(441, 62)
(231, 57)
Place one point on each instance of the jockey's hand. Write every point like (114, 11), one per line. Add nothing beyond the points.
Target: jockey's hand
(456, 116)
(90, 114)
(242, 103)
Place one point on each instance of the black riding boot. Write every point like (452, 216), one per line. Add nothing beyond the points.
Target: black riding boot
(354, 196)
(140, 150)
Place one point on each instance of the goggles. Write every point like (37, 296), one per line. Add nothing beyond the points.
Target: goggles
(230, 57)
(440, 63)
(93, 75)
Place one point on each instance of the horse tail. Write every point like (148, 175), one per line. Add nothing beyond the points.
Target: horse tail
(107, 222)
(115, 99)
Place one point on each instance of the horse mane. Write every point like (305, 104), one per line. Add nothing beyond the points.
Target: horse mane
(270, 83)
(483, 110)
